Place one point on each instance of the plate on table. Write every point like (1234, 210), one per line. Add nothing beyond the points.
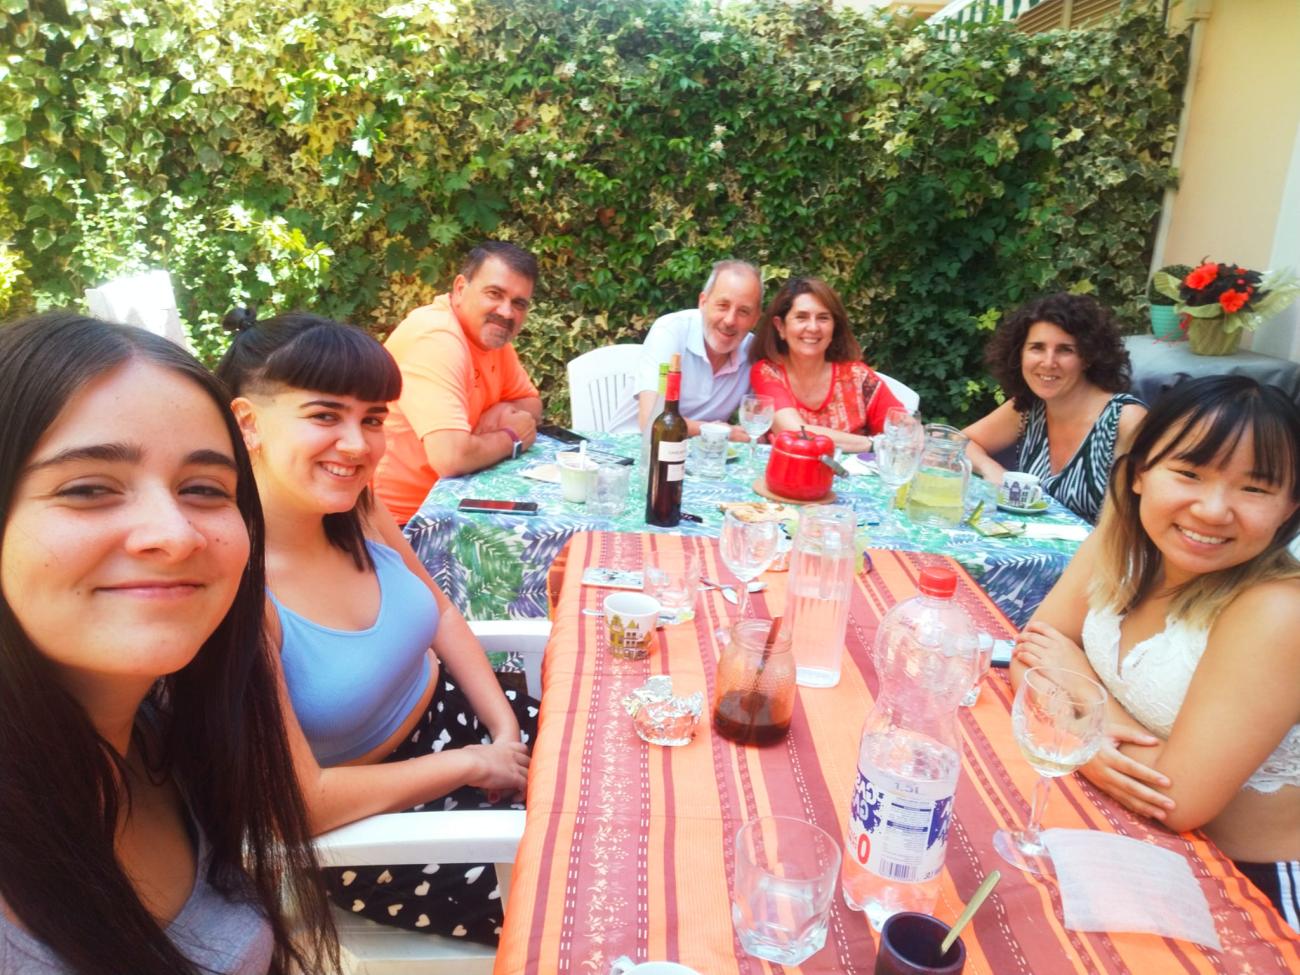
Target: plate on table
(1037, 508)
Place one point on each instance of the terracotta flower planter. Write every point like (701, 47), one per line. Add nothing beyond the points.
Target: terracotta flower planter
(1206, 336)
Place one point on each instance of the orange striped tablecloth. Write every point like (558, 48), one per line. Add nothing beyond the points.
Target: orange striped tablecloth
(628, 847)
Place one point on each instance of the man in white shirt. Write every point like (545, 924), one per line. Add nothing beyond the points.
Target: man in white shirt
(714, 341)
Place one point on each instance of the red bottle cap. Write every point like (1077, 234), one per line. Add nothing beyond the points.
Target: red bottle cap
(938, 582)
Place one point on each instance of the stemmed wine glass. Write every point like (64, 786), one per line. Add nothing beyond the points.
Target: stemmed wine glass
(1059, 721)
(747, 548)
(898, 453)
(756, 419)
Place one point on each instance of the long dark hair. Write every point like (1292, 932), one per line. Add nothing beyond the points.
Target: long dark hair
(216, 724)
(1106, 361)
(1204, 420)
(306, 351)
(768, 343)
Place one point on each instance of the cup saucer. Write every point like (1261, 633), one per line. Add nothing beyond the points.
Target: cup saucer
(1037, 508)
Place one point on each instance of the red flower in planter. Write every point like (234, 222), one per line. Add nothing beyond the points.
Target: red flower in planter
(1185, 322)
(1232, 301)
(1202, 276)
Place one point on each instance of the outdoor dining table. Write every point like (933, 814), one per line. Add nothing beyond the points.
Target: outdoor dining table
(494, 566)
(628, 847)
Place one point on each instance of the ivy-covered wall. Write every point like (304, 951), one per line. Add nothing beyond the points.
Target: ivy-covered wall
(345, 158)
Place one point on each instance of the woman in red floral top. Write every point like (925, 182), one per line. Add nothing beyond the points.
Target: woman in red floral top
(807, 360)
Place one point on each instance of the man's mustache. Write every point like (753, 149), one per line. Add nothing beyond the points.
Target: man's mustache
(495, 319)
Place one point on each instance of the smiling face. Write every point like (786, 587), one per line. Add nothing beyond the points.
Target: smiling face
(124, 546)
(312, 452)
(1209, 516)
(1050, 361)
(807, 328)
(492, 305)
(730, 310)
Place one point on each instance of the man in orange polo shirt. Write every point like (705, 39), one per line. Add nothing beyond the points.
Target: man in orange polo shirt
(466, 400)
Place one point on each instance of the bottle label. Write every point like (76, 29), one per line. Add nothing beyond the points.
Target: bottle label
(899, 834)
(676, 472)
(672, 452)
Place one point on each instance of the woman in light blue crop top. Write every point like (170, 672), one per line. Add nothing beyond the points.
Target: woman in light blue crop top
(150, 819)
(1185, 603)
(396, 703)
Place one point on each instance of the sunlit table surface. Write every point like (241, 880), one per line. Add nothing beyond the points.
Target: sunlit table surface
(628, 846)
(495, 566)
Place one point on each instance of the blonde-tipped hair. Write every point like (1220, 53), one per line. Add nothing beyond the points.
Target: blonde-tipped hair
(1202, 421)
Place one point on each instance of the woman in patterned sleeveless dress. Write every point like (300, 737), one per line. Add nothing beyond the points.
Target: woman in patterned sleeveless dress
(1185, 603)
(1064, 370)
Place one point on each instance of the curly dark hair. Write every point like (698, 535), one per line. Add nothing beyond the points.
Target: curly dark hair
(1085, 319)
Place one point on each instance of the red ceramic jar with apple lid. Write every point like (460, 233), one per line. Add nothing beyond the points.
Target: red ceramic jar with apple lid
(796, 470)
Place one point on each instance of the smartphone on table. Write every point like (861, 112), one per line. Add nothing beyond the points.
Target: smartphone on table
(487, 506)
(560, 433)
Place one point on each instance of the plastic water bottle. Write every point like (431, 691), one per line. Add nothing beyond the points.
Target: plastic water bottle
(909, 759)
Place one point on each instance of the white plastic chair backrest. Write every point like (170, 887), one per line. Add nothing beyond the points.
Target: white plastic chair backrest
(602, 389)
(145, 300)
(904, 393)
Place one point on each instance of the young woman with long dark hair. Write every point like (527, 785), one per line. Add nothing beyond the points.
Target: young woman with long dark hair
(395, 698)
(149, 821)
(1185, 603)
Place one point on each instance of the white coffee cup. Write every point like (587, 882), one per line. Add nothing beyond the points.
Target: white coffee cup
(630, 622)
(1020, 490)
(577, 474)
(625, 966)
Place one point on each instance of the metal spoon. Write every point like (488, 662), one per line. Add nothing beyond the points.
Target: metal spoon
(729, 592)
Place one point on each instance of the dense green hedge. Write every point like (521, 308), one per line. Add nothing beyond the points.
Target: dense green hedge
(345, 158)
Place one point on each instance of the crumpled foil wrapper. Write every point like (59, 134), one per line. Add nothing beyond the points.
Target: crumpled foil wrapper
(659, 717)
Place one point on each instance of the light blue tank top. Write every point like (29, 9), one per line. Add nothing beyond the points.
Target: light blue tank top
(351, 689)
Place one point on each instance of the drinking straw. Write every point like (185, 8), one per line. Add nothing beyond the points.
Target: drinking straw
(976, 901)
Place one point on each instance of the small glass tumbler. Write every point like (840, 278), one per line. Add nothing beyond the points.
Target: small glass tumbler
(674, 586)
(608, 495)
(786, 874)
(710, 449)
(909, 945)
(982, 661)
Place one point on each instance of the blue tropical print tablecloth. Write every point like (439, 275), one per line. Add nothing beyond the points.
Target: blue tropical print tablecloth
(495, 566)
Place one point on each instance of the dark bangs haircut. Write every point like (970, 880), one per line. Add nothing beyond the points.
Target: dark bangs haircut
(1203, 421)
(215, 727)
(1086, 320)
(768, 343)
(299, 350)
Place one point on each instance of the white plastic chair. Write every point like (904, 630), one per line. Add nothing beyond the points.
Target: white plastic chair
(602, 389)
(459, 836)
(904, 393)
(145, 300)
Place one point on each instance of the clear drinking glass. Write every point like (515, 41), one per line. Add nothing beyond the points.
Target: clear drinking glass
(608, 494)
(982, 664)
(899, 418)
(674, 586)
(756, 419)
(747, 548)
(786, 874)
(898, 455)
(1059, 720)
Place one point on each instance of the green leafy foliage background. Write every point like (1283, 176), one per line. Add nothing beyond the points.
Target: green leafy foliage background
(345, 158)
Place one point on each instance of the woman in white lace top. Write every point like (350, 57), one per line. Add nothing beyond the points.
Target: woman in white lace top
(1185, 603)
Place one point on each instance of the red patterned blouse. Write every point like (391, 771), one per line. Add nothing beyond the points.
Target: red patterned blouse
(856, 403)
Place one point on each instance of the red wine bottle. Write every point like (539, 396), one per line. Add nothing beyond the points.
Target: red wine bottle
(663, 497)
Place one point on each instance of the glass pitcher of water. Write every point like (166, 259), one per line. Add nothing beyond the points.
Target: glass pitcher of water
(822, 567)
(938, 492)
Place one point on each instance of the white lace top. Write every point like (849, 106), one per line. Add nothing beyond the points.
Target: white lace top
(1154, 679)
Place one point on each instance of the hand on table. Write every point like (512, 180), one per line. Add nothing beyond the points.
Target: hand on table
(1043, 645)
(1126, 780)
(738, 434)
